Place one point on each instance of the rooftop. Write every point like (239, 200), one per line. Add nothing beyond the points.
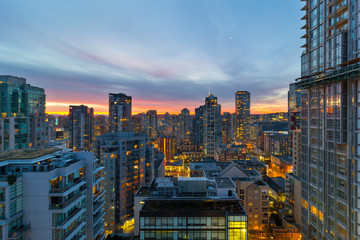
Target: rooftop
(203, 166)
(224, 183)
(28, 153)
(283, 158)
(253, 163)
(251, 172)
(177, 163)
(276, 183)
(232, 206)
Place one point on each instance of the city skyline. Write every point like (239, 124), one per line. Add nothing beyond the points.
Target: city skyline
(166, 59)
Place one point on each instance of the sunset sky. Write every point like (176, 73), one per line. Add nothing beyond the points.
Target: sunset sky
(166, 54)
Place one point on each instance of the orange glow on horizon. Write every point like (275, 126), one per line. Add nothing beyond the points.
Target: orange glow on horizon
(63, 108)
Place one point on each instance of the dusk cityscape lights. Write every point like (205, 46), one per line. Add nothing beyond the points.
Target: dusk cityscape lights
(189, 120)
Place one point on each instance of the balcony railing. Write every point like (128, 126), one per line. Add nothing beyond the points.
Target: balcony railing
(98, 216)
(64, 189)
(77, 210)
(98, 228)
(18, 233)
(98, 194)
(67, 202)
(98, 205)
(76, 227)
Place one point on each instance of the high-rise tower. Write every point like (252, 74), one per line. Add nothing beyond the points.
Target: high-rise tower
(242, 116)
(152, 124)
(22, 120)
(81, 127)
(212, 125)
(119, 111)
(330, 117)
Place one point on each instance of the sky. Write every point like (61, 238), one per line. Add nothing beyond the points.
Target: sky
(166, 54)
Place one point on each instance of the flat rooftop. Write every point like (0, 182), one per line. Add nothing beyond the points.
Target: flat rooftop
(285, 159)
(232, 206)
(253, 163)
(276, 183)
(224, 183)
(203, 166)
(28, 153)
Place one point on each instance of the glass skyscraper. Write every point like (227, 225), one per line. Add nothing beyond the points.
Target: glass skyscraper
(119, 111)
(22, 120)
(242, 116)
(212, 125)
(330, 120)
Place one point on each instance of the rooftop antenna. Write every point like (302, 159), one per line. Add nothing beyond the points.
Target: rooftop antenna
(209, 91)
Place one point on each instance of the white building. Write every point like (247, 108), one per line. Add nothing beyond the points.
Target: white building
(50, 194)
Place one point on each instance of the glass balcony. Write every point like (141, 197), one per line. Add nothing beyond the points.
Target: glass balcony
(97, 206)
(69, 201)
(98, 216)
(18, 233)
(69, 186)
(73, 232)
(98, 194)
(98, 229)
(73, 214)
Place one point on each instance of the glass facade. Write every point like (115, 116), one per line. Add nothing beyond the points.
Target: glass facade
(242, 116)
(22, 114)
(221, 228)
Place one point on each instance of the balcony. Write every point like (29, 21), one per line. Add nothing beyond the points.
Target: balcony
(71, 218)
(98, 194)
(305, 35)
(63, 190)
(69, 201)
(305, 45)
(305, 16)
(332, 2)
(341, 22)
(97, 206)
(306, 7)
(98, 229)
(98, 179)
(18, 233)
(98, 167)
(70, 234)
(97, 217)
(305, 26)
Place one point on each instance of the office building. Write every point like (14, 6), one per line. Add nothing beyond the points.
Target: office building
(227, 128)
(82, 123)
(167, 145)
(123, 155)
(51, 194)
(23, 120)
(189, 208)
(294, 101)
(329, 120)
(185, 126)
(242, 116)
(152, 124)
(277, 143)
(211, 125)
(119, 112)
(101, 125)
(198, 126)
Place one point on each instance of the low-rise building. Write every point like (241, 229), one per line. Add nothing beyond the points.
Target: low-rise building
(230, 152)
(189, 208)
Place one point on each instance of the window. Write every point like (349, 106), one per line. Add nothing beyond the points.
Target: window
(15, 207)
(15, 190)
